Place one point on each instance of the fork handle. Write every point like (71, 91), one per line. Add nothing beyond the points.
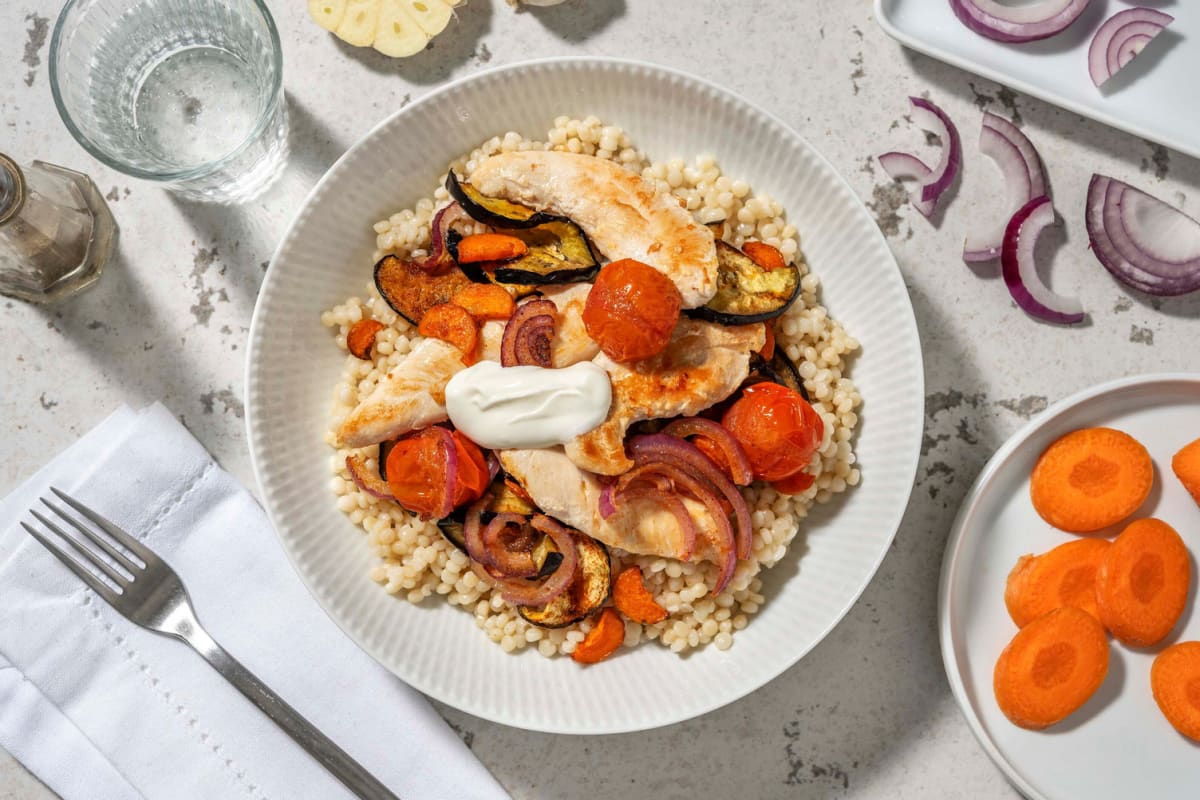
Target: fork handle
(333, 758)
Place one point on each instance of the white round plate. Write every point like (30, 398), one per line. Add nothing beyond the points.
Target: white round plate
(293, 365)
(1119, 744)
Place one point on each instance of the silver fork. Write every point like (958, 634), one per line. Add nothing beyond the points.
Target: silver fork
(151, 594)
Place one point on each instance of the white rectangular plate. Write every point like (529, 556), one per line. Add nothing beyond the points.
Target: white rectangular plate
(1155, 97)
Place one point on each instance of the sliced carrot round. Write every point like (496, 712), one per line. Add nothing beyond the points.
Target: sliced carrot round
(1051, 667)
(633, 599)
(1186, 466)
(1143, 583)
(1090, 479)
(1064, 576)
(455, 325)
(1175, 681)
(602, 640)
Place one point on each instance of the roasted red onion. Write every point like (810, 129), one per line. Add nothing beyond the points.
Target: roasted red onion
(659, 447)
(1141, 240)
(529, 334)
(510, 563)
(368, 480)
(451, 452)
(934, 182)
(729, 446)
(1121, 39)
(671, 502)
(1018, 23)
(442, 222)
(1021, 167)
(522, 591)
(1020, 271)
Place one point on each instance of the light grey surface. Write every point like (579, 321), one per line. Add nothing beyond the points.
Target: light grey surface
(867, 714)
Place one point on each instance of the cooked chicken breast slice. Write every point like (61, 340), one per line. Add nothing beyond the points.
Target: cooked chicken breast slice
(572, 496)
(623, 214)
(703, 364)
(413, 395)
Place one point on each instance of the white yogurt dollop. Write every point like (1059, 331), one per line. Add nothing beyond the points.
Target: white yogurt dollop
(507, 408)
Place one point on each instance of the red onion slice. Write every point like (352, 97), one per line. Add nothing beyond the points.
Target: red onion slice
(1020, 23)
(1121, 38)
(443, 220)
(366, 479)
(731, 448)
(1020, 271)
(451, 469)
(1141, 240)
(672, 503)
(528, 335)
(903, 166)
(931, 183)
(509, 563)
(984, 244)
(522, 592)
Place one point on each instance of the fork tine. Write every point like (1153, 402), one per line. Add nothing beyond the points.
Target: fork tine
(88, 556)
(140, 550)
(84, 574)
(113, 553)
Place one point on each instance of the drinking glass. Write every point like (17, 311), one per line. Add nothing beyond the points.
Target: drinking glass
(185, 92)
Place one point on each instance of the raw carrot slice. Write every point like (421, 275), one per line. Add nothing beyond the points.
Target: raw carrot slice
(1143, 583)
(1051, 667)
(1064, 576)
(485, 301)
(361, 338)
(489, 247)
(455, 325)
(1186, 465)
(1175, 682)
(768, 349)
(1090, 479)
(764, 255)
(602, 640)
(633, 599)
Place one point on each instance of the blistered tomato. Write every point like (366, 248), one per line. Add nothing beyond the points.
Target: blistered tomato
(631, 310)
(777, 428)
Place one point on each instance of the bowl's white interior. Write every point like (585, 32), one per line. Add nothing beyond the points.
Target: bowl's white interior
(293, 365)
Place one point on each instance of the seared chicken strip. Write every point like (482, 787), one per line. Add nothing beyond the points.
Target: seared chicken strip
(413, 395)
(703, 364)
(572, 496)
(623, 214)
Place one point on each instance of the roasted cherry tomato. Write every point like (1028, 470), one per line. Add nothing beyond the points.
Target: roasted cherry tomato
(416, 469)
(473, 477)
(777, 428)
(631, 310)
(794, 484)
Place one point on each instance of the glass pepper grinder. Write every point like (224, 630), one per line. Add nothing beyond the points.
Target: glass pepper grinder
(56, 232)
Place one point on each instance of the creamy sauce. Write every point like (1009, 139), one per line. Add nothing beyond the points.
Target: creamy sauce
(507, 408)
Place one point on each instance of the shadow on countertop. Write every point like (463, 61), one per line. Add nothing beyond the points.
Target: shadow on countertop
(577, 21)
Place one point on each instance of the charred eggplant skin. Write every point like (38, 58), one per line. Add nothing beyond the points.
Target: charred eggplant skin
(452, 529)
(779, 369)
(737, 301)
(588, 592)
(494, 211)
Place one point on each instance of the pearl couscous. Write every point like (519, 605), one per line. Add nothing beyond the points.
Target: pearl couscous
(415, 561)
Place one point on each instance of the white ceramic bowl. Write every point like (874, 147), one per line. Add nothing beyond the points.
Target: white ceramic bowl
(293, 365)
(1119, 744)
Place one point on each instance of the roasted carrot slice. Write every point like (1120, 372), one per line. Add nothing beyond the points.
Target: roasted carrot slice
(1090, 479)
(489, 247)
(602, 640)
(764, 255)
(768, 349)
(452, 324)
(1064, 576)
(1186, 465)
(1143, 583)
(485, 301)
(361, 338)
(1051, 667)
(1175, 682)
(632, 599)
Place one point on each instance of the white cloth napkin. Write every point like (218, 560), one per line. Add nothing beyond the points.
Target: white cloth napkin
(99, 708)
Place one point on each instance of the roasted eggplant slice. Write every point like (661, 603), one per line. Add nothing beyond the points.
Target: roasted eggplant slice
(779, 369)
(494, 211)
(506, 501)
(587, 593)
(452, 528)
(411, 291)
(559, 252)
(746, 292)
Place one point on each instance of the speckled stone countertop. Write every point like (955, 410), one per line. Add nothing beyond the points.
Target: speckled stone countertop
(868, 713)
